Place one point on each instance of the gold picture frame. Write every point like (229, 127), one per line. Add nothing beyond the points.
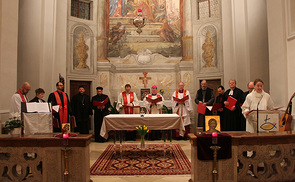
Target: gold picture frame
(208, 118)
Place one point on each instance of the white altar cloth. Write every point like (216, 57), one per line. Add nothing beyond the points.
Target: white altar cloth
(151, 121)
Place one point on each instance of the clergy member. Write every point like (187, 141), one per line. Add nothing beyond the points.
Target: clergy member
(154, 108)
(220, 99)
(232, 116)
(182, 108)
(100, 112)
(126, 100)
(205, 96)
(82, 110)
(60, 98)
(19, 97)
(39, 95)
(250, 87)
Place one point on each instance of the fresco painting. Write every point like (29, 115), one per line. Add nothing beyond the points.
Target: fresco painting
(161, 33)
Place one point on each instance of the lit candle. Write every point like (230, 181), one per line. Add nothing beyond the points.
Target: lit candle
(65, 135)
(65, 139)
(214, 138)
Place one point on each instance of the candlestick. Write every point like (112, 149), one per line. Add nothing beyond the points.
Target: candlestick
(214, 138)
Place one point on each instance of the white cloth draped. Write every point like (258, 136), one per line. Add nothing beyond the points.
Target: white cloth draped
(184, 109)
(251, 103)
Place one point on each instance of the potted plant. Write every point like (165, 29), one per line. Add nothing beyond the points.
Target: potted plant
(14, 124)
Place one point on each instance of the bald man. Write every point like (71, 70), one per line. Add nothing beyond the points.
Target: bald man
(205, 96)
(19, 97)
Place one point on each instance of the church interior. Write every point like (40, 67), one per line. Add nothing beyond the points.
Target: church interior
(147, 43)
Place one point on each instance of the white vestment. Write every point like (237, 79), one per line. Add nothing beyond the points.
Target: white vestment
(15, 103)
(155, 109)
(121, 102)
(183, 109)
(251, 103)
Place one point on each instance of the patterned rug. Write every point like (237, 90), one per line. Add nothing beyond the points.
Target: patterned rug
(154, 159)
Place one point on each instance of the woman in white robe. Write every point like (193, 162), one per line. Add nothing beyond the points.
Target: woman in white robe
(257, 97)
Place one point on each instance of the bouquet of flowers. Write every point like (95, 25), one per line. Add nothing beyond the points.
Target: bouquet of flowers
(13, 122)
(142, 130)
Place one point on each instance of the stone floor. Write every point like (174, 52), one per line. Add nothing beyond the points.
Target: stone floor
(96, 149)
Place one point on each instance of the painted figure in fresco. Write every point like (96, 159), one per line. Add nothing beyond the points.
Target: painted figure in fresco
(117, 32)
(130, 8)
(166, 32)
(161, 12)
(116, 7)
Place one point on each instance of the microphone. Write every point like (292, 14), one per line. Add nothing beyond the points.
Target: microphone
(257, 113)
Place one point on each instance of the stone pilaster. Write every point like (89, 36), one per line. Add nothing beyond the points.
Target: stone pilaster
(102, 39)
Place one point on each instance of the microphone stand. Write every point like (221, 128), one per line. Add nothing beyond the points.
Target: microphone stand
(258, 115)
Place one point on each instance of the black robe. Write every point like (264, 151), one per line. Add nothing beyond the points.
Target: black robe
(209, 99)
(99, 114)
(51, 98)
(81, 109)
(220, 99)
(232, 119)
(36, 99)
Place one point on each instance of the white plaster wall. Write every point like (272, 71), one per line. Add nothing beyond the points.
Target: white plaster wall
(8, 53)
(245, 45)
(258, 41)
(278, 66)
(42, 43)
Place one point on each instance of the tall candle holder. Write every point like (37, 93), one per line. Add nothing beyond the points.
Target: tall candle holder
(215, 148)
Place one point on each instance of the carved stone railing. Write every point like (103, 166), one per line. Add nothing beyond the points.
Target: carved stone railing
(255, 157)
(41, 158)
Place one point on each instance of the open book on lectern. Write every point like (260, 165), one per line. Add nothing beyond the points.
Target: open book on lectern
(35, 107)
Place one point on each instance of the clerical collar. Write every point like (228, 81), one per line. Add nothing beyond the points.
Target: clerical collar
(154, 94)
(180, 91)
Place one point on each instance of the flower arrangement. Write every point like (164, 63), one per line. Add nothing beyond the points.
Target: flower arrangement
(13, 122)
(161, 91)
(142, 131)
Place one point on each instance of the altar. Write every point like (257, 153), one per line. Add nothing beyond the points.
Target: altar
(274, 150)
(46, 156)
(151, 121)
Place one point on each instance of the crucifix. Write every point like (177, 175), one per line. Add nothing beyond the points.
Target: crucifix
(145, 79)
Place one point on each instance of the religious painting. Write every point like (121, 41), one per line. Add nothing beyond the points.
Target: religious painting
(268, 120)
(144, 92)
(212, 123)
(161, 33)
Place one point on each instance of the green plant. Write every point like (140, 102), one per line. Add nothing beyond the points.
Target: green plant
(161, 92)
(165, 110)
(13, 122)
(113, 109)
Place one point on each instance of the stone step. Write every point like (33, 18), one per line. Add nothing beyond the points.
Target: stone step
(143, 38)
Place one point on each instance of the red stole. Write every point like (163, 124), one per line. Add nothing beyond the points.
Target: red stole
(176, 95)
(125, 101)
(22, 96)
(63, 111)
(150, 96)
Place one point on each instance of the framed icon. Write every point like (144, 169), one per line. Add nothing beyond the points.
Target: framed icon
(213, 124)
